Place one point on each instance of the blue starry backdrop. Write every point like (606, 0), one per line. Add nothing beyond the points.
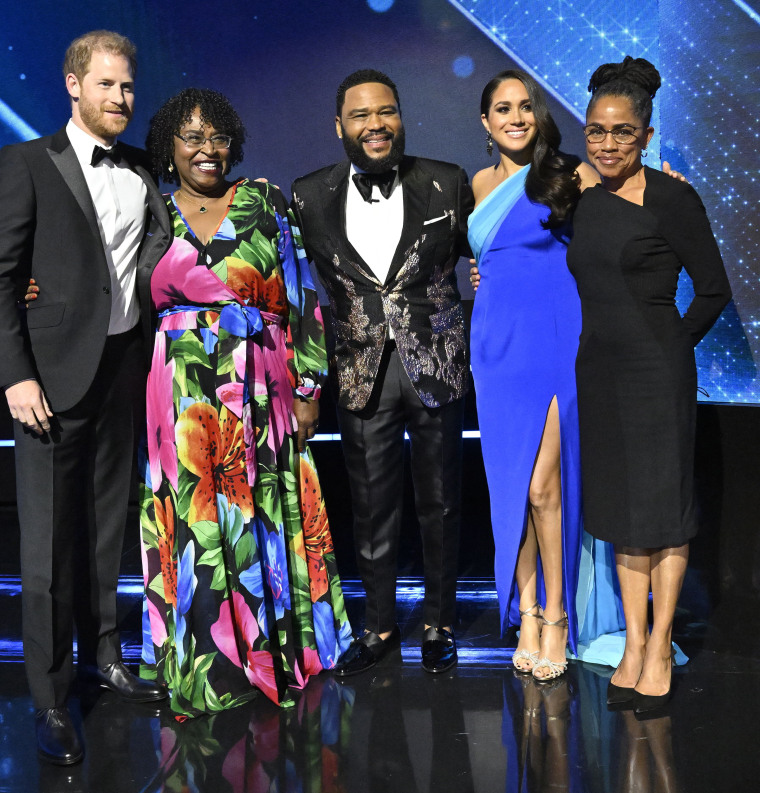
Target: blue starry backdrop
(280, 64)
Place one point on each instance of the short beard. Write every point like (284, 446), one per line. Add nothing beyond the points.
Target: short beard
(98, 124)
(355, 152)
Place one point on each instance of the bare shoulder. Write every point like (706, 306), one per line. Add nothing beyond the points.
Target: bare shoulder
(482, 183)
(588, 175)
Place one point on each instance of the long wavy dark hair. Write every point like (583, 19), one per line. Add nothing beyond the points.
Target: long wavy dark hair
(552, 179)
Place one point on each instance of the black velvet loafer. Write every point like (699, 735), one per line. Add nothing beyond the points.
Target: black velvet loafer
(439, 650)
(365, 652)
(57, 739)
(117, 678)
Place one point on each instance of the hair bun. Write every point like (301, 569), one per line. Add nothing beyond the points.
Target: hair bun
(637, 71)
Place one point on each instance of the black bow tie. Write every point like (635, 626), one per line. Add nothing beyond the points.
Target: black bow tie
(365, 181)
(99, 153)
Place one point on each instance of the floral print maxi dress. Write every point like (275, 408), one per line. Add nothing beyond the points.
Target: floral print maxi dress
(241, 588)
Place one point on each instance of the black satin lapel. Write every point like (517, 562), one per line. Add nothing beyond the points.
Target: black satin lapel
(417, 186)
(68, 165)
(156, 203)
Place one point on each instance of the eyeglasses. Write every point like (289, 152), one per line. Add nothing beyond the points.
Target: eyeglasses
(596, 134)
(195, 141)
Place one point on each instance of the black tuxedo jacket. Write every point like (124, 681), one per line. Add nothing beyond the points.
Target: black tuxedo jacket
(49, 231)
(419, 299)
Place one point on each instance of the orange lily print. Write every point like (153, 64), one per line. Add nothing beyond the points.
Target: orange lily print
(210, 444)
(267, 294)
(165, 526)
(315, 530)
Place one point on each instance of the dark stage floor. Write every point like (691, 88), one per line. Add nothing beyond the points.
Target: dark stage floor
(479, 729)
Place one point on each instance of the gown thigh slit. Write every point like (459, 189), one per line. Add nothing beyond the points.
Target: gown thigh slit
(526, 323)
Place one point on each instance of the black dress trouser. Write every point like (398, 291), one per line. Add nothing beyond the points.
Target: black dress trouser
(72, 488)
(373, 446)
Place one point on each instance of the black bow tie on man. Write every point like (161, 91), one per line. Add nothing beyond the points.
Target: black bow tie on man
(365, 181)
(99, 153)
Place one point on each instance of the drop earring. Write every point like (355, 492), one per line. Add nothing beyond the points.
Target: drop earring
(170, 167)
(489, 143)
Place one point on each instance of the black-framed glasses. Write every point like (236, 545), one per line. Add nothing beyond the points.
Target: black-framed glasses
(596, 134)
(195, 141)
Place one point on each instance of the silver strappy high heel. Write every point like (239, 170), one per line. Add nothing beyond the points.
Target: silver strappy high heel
(524, 655)
(556, 668)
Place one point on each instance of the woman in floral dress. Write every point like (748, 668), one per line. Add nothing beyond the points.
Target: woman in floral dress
(242, 592)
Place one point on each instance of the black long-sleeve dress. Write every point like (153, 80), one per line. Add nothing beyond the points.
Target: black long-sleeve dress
(635, 370)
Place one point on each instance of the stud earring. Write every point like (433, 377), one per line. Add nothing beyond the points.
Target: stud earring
(489, 144)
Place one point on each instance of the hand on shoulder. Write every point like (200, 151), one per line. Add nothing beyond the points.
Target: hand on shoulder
(666, 169)
(588, 175)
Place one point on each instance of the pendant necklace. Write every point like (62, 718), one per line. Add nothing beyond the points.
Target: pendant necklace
(202, 208)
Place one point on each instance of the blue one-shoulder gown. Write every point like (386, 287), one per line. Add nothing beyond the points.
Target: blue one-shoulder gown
(526, 323)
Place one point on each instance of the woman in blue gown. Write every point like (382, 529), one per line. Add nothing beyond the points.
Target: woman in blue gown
(525, 327)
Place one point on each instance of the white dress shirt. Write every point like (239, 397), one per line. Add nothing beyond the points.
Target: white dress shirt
(119, 196)
(374, 229)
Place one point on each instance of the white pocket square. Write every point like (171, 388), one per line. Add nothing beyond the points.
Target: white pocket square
(434, 220)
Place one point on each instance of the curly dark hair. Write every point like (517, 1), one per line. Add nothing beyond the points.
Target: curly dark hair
(359, 78)
(215, 110)
(636, 79)
(552, 179)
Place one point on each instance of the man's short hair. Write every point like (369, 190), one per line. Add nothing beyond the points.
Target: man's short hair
(359, 78)
(79, 54)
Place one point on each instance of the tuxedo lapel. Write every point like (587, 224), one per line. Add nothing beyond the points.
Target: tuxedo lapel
(416, 185)
(156, 241)
(64, 158)
(335, 218)
(156, 204)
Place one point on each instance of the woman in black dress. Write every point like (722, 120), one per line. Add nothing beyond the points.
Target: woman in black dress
(635, 369)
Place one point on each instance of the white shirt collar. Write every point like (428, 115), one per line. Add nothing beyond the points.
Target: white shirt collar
(82, 142)
(357, 169)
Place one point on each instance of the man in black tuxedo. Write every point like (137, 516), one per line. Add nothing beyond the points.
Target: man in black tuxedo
(73, 212)
(385, 232)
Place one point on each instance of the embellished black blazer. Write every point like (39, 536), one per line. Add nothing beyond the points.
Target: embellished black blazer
(419, 298)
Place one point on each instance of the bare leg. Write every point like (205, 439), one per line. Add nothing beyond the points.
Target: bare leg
(668, 570)
(525, 576)
(546, 511)
(633, 567)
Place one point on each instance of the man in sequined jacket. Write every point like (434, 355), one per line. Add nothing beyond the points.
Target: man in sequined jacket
(385, 232)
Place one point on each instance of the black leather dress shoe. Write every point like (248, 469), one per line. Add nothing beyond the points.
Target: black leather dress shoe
(439, 650)
(57, 740)
(117, 678)
(365, 652)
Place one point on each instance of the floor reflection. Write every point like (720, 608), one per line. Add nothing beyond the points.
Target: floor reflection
(260, 748)
(536, 724)
(560, 736)
(417, 739)
(646, 761)
(396, 729)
